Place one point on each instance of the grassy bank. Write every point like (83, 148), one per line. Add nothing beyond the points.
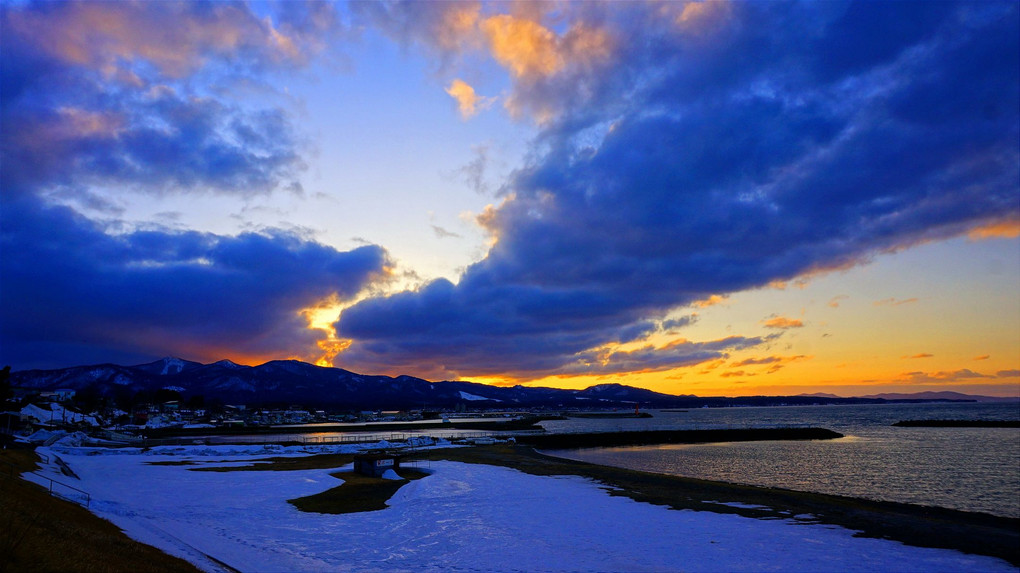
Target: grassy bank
(39, 532)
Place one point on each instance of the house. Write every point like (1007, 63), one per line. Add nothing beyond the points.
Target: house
(375, 465)
(58, 395)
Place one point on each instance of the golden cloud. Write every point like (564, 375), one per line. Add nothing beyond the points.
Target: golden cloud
(109, 36)
(942, 377)
(468, 102)
(524, 47)
(834, 303)
(894, 301)
(734, 373)
(531, 51)
(586, 45)
(770, 360)
(782, 322)
(458, 27)
(1009, 229)
(711, 301)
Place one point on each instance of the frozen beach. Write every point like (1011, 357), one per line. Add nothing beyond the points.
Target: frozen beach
(462, 517)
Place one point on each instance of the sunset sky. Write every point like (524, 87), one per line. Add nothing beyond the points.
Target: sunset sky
(704, 198)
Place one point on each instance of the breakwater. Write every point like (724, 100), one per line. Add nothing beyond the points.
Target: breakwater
(641, 438)
(958, 424)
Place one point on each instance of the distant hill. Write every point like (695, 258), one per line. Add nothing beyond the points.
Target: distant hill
(285, 382)
(942, 396)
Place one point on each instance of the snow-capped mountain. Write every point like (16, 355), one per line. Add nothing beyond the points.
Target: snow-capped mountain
(294, 382)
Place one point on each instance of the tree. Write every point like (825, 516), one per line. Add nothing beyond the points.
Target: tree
(5, 385)
(164, 395)
(89, 399)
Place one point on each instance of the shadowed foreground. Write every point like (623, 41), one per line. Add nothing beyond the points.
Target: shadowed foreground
(39, 532)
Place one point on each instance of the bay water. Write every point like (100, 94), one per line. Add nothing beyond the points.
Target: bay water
(971, 469)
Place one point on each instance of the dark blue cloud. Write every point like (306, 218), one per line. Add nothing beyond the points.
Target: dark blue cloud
(73, 293)
(123, 108)
(769, 141)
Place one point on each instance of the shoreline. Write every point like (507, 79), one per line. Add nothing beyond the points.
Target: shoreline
(918, 526)
(915, 525)
(653, 437)
(957, 424)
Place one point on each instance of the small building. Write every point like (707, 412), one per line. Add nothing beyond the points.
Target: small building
(375, 465)
(62, 395)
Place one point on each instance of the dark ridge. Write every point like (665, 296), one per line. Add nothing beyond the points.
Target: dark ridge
(958, 423)
(611, 439)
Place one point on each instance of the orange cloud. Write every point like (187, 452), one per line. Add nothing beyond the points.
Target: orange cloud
(468, 102)
(894, 302)
(782, 322)
(524, 47)
(698, 13)
(530, 50)
(109, 36)
(712, 366)
(834, 303)
(1009, 229)
(711, 301)
(770, 360)
(921, 355)
(584, 45)
(800, 283)
(983, 357)
(941, 377)
(735, 373)
(457, 27)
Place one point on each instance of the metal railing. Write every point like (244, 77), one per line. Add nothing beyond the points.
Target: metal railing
(63, 491)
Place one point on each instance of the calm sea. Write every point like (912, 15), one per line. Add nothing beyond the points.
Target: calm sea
(973, 469)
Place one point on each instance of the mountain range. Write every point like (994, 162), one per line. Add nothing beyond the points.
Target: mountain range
(284, 382)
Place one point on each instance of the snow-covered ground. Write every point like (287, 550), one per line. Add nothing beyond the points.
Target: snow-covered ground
(463, 517)
(57, 413)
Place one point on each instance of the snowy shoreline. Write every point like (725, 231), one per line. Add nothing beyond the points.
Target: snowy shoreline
(462, 517)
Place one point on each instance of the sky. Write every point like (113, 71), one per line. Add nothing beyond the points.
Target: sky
(706, 198)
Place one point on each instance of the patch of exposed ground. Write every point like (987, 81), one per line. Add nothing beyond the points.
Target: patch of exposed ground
(358, 493)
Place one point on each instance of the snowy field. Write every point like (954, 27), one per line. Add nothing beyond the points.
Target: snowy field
(463, 517)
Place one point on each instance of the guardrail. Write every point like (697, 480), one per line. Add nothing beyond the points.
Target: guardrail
(63, 491)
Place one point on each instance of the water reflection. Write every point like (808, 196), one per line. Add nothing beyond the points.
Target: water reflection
(974, 469)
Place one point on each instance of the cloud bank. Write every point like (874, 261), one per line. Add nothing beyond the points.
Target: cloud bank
(707, 149)
(127, 96)
(685, 151)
